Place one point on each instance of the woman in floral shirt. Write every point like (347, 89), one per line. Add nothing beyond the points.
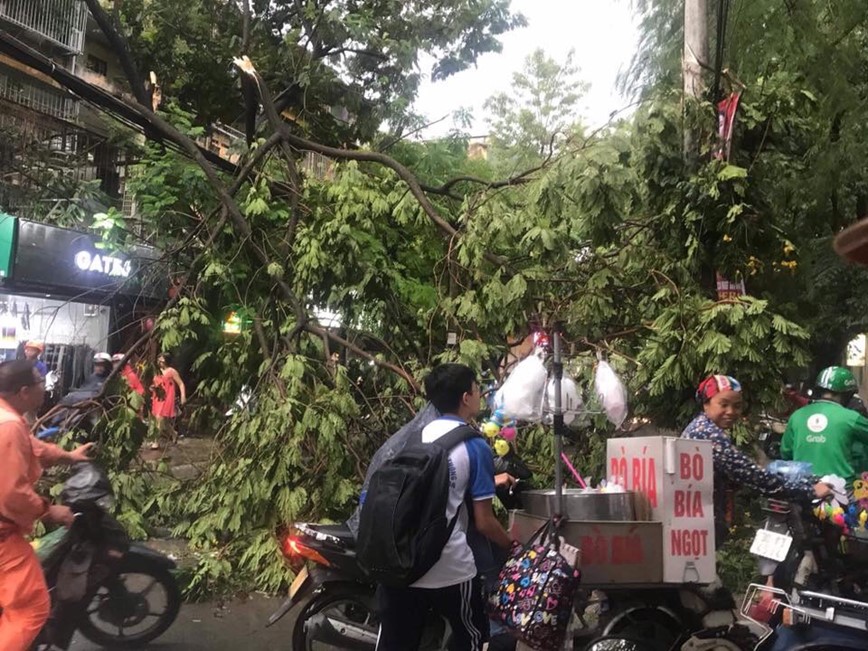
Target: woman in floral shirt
(721, 400)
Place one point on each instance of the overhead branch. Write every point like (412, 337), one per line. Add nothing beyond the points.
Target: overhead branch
(119, 47)
(303, 144)
(288, 154)
(255, 158)
(518, 179)
(318, 330)
(394, 141)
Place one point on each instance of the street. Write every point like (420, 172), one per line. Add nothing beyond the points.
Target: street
(237, 624)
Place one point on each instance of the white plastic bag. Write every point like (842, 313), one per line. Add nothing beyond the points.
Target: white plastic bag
(522, 393)
(571, 400)
(611, 393)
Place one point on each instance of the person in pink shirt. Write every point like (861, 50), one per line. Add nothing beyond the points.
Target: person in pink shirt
(23, 594)
(129, 374)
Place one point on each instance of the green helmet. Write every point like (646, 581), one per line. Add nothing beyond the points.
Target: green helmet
(837, 379)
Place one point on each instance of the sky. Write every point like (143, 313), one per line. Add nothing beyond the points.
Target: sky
(602, 32)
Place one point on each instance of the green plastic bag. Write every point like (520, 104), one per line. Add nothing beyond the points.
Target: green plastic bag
(48, 543)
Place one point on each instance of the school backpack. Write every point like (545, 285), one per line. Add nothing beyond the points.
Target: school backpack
(402, 525)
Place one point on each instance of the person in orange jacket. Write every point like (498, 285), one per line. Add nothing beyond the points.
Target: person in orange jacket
(23, 594)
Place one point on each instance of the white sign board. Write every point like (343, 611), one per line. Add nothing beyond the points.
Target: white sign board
(675, 477)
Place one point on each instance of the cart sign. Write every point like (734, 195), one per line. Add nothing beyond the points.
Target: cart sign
(673, 480)
(621, 553)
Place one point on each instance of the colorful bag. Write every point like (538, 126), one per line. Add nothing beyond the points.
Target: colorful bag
(534, 596)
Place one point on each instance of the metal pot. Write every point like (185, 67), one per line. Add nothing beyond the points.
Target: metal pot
(578, 505)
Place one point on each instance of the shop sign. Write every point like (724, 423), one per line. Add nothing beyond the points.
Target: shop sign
(8, 227)
(728, 290)
(236, 321)
(61, 261)
(109, 265)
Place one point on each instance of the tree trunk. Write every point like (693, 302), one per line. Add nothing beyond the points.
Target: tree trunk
(695, 56)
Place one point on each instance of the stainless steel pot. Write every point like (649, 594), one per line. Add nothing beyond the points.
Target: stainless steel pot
(611, 507)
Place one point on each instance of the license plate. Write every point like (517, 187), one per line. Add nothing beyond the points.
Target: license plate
(763, 436)
(299, 580)
(771, 545)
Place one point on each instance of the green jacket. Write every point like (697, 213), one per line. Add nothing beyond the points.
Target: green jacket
(829, 436)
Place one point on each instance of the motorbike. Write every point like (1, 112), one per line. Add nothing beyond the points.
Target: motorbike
(340, 601)
(816, 594)
(116, 593)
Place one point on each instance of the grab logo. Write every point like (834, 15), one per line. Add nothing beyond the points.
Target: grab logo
(817, 423)
(815, 439)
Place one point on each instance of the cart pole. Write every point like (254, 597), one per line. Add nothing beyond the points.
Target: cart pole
(558, 417)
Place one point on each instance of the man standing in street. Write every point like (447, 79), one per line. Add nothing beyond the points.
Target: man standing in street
(451, 587)
(23, 594)
(825, 433)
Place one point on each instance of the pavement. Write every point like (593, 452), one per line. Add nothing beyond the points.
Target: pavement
(226, 626)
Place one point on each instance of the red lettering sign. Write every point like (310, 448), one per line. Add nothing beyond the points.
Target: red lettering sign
(627, 550)
(595, 550)
(688, 504)
(642, 478)
(618, 469)
(692, 467)
(688, 542)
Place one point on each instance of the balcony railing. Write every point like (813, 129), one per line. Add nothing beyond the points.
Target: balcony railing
(33, 94)
(60, 21)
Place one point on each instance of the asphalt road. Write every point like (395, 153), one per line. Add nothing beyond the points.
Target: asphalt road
(234, 625)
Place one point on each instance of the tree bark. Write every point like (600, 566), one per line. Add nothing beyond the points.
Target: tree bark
(694, 58)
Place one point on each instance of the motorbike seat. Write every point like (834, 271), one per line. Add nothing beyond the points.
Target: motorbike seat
(340, 531)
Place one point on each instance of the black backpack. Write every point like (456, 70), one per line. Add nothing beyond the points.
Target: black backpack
(402, 525)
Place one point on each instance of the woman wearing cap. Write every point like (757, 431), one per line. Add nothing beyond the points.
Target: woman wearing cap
(721, 399)
(163, 397)
(32, 350)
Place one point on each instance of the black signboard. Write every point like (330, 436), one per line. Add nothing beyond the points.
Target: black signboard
(62, 261)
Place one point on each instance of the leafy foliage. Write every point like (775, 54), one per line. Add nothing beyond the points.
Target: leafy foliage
(615, 236)
(538, 115)
(360, 59)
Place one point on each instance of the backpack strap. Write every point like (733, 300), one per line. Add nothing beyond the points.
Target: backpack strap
(446, 442)
(458, 435)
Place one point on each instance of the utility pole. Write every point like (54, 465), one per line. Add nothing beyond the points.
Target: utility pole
(695, 56)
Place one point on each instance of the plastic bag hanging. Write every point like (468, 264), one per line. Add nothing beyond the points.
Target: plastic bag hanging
(571, 401)
(521, 395)
(611, 393)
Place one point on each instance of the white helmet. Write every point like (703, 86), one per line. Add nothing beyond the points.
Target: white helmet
(102, 357)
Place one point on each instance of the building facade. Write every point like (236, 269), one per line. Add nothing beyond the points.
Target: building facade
(51, 144)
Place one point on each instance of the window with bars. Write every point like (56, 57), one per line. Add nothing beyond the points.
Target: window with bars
(97, 65)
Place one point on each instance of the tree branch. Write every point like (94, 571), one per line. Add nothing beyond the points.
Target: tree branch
(119, 46)
(318, 330)
(246, 66)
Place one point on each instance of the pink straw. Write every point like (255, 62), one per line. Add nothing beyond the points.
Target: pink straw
(572, 469)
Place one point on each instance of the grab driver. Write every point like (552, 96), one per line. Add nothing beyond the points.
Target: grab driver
(825, 433)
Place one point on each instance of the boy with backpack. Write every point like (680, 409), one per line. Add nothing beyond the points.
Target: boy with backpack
(423, 561)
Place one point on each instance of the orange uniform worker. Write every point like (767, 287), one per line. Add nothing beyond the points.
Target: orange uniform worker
(23, 593)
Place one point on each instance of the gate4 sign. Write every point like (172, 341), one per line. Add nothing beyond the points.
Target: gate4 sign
(109, 265)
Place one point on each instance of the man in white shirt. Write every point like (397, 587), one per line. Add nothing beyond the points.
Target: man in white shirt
(450, 588)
